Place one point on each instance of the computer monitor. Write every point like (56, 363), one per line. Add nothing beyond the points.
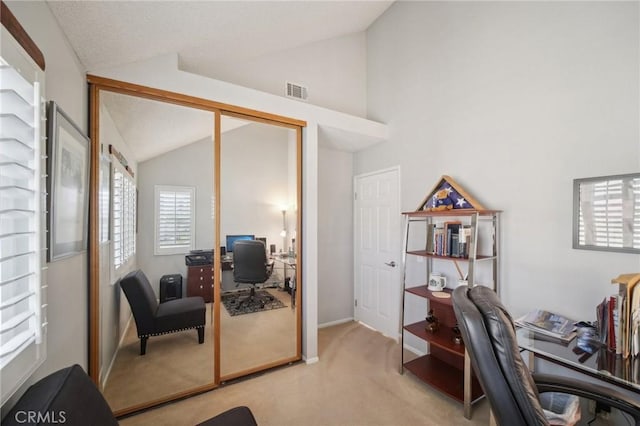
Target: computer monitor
(231, 239)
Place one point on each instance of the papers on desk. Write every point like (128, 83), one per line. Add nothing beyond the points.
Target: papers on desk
(548, 324)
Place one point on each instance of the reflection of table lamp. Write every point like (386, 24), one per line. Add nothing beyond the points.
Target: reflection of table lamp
(283, 233)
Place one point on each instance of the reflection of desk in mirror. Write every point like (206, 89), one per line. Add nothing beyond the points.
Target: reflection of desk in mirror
(602, 364)
(289, 274)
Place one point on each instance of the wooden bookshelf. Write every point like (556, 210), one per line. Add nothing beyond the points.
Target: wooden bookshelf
(443, 377)
(443, 368)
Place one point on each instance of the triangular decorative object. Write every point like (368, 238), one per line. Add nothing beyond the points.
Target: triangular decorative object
(448, 195)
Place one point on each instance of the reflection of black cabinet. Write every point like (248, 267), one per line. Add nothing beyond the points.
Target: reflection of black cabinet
(200, 282)
(170, 287)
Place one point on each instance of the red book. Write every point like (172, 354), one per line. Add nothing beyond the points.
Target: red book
(611, 337)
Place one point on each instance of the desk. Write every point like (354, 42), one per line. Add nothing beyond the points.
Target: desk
(602, 365)
(288, 263)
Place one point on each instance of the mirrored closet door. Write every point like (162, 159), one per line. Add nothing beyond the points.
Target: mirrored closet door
(156, 206)
(259, 190)
(178, 184)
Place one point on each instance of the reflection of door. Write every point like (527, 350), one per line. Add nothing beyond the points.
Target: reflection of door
(377, 251)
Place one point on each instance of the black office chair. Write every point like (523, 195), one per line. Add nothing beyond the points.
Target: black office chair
(516, 396)
(250, 266)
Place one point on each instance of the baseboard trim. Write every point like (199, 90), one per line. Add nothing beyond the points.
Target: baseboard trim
(337, 322)
(105, 376)
(311, 360)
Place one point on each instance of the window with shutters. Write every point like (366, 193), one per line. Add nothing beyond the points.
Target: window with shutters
(608, 213)
(22, 200)
(123, 213)
(175, 219)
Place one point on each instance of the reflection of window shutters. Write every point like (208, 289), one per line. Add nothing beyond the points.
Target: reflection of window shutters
(610, 213)
(174, 219)
(124, 217)
(22, 243)
(118, 184)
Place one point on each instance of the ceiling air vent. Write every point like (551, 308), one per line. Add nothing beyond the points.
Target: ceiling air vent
(296, 91)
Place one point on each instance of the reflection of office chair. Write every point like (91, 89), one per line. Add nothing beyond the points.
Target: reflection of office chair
(152, 318)
(250, 266)
(513, 392)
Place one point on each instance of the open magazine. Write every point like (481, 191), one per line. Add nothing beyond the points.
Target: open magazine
(549, 324)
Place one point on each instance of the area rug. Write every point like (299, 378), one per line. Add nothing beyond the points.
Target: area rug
(230, 302)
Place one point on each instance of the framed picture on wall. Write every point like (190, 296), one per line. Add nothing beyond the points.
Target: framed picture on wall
(67, 184)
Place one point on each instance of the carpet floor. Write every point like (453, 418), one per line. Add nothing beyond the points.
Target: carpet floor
(356, 382)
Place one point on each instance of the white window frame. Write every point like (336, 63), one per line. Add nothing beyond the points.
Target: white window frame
(23, 286)
(123, 209)
(159, 249)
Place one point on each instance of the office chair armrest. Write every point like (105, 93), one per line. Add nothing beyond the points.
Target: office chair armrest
(608, 396)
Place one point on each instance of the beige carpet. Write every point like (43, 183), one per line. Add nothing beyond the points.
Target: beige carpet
(251, 340)
(356, 382)
(167, 367)
(176, 362)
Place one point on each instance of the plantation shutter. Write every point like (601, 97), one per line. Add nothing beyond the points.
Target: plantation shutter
(174, 219)
(22, 201)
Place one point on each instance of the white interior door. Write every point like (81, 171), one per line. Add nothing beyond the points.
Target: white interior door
(377, 246)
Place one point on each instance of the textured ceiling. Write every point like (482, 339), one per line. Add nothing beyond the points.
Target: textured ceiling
(109, 33)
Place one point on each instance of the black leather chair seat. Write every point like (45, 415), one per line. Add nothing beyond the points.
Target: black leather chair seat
(238, 416)
(69, 397)
(179, 314)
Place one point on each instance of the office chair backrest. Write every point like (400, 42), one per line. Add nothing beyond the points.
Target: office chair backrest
(249, 262)
(489, 336)
(142, 300)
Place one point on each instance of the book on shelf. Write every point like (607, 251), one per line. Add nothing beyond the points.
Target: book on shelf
(452, 231)
(549, 324)
(430, 248)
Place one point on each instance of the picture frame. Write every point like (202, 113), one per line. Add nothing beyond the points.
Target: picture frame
(606, 213)
(68, 154)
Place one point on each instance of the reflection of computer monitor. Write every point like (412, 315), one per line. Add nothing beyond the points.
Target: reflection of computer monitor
(231, 239)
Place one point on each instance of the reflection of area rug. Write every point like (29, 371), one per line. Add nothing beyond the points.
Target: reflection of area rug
(230, 302)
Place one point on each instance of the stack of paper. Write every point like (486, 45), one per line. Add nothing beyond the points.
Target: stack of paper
(549, 324)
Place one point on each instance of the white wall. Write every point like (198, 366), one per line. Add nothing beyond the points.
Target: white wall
(255, 182)
(514, 100)
(333, 70)
(335, 239)
(177, 167)
(67, 338)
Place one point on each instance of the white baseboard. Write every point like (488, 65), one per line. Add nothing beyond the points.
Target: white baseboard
(337, 322)
(105, 377)
(311, 360)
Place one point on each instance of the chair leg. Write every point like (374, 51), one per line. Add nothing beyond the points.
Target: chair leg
(200, 335)
(143, 345)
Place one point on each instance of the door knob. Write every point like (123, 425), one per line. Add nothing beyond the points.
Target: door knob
(392, 264)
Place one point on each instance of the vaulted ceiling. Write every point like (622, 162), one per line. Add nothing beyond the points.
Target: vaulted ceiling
(109, 33)
(203, 33)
